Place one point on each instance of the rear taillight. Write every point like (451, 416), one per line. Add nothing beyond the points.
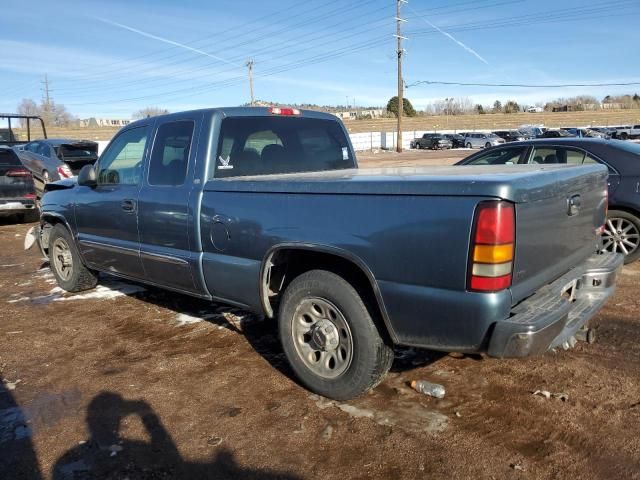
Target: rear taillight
(30, 196)
(284, 111)
(64, 171)
(18, 172)
(492, 250)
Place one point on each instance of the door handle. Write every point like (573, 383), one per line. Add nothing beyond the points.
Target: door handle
(128, 205)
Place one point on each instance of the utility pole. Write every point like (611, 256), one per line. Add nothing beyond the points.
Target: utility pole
(46, 99)
(250, 66)
(399, 52)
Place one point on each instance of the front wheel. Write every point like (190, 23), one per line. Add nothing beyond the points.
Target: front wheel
(487, 145)
(330, 338)
(469, 145)
(66, 265)
(622, 234)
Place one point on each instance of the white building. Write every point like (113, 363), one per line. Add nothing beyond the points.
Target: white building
(104, 122)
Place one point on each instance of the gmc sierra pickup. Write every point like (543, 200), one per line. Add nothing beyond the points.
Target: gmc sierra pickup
(264, 208)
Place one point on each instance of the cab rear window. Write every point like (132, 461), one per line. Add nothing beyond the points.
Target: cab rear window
(273, 145)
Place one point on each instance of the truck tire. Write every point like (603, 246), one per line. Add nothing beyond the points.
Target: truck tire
(469, 145)
(330, 338)
(66, 264)
(624, 136)
(622, 235)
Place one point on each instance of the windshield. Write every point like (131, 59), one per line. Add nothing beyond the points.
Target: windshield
(272, 145)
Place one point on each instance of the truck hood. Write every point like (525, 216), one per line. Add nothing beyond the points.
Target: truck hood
(517, 183)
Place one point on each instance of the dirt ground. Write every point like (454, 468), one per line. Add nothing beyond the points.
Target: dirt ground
(132, 382)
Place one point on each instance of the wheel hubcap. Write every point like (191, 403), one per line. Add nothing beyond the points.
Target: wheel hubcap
(322, 337)
(620, 235)
(62, 259)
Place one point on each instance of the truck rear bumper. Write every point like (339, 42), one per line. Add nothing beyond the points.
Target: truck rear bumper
(552, 315)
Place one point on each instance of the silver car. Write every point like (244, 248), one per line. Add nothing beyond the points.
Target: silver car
(482, 140)
(54, 159)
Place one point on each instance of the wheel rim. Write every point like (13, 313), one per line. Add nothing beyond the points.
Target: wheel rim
(620, 235)
(322, 337)
(62, 258)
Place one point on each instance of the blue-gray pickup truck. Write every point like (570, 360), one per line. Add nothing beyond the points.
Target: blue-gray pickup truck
(265, 209)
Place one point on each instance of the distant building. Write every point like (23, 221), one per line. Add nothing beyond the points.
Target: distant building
(535, 110)
(94, 122)
(354, 114)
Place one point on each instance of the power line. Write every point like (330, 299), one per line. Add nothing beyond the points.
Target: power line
(523, 85)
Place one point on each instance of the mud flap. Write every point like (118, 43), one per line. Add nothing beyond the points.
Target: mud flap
(34, 236)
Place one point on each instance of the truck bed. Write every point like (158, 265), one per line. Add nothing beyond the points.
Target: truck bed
(509, 182)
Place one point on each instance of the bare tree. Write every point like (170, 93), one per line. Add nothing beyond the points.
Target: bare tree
(27, 107)
(149, 112)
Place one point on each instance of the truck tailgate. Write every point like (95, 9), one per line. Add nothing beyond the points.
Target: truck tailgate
(556, 230)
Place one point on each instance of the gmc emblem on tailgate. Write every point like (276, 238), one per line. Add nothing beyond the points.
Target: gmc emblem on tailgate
(573, 205)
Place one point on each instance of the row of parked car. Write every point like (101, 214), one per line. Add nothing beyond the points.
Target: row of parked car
(27, 166)
(440, 141)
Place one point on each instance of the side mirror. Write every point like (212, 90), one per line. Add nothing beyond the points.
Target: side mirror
(87, 176)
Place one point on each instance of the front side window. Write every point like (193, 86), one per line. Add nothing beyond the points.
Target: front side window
(280, 144)
(170, 155)
(501, 156)
(121, 163)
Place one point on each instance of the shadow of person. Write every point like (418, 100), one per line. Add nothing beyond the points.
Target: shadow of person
(107, 455)
(17, 457)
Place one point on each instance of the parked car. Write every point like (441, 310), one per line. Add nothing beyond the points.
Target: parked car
(17, 193)
(482, 140)
(265, 209)
(626, 132)
(433, 141)
(456, 139)
(607, 132)
(622, 231)
(532, 131)
(535, 110)
(511, 135)
(556, 133)
(584, 132)
(49, 160)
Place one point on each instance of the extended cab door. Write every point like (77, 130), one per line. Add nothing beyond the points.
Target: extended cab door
(166, 222)
(107, 214)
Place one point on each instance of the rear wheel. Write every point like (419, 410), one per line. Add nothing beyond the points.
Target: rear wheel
(469, 145)
(330, 338)
(66, 265)
(624, 136)
(622, 234)
(487, 145)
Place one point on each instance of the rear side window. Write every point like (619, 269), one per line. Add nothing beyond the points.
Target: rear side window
(502, 156)
(554, 155)
(272, 145)
(8, 158)
(170, 155)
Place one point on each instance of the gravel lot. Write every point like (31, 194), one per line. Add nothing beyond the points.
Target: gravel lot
(132, 382)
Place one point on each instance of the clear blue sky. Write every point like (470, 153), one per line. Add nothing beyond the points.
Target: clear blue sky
(112, 58)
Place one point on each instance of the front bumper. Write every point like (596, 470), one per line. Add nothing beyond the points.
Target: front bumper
(12, 207)
(557, 311)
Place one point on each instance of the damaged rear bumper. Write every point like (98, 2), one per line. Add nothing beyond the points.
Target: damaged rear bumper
(552, 315)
